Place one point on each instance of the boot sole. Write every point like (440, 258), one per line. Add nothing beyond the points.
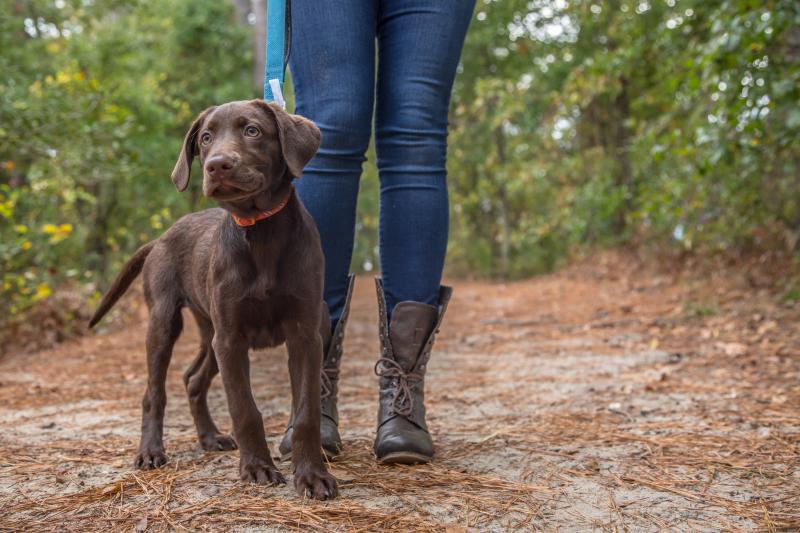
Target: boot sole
(404, 458)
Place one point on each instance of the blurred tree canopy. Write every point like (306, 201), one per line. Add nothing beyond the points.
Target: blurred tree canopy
(572, 123)
(605, 121)
(95, 98)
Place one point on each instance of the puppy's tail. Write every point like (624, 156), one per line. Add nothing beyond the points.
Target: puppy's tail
(121, 283)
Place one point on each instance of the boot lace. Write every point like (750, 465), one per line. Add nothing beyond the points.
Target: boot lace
(328, 375)
(403, 402)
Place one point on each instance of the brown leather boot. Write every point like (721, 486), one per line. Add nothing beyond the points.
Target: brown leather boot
(331, 360)
(405, 349)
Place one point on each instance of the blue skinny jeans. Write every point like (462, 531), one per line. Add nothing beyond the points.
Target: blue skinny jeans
(333, 67)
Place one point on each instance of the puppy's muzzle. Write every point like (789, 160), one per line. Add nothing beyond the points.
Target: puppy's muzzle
(221, 180)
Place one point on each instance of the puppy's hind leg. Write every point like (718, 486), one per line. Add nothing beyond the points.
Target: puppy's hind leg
(162, 331)
(198, 379)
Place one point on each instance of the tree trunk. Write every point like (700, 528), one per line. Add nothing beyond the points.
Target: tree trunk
(242, 8)
(505, 231)
(623, 178)
(259, 42)
(105, 194)
(258, 10)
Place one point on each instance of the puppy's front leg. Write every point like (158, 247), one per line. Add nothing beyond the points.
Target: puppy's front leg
(305, 361)
(255, 462)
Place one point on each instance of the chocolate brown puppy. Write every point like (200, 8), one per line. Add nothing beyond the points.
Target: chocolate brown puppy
(251, 273)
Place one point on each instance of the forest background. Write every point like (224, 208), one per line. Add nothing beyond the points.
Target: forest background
(666, 124)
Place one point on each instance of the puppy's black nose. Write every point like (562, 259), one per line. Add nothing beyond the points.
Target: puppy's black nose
(220, 166)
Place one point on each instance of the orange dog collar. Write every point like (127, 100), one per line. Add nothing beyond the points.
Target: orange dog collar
(251, 221)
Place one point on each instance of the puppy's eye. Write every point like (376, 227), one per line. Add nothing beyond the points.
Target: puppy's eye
(205, 138)
(252, 131)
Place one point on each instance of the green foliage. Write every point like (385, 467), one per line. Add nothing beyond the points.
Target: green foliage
(595, 122)
(791, 295)
(94, 101)
(700, 310)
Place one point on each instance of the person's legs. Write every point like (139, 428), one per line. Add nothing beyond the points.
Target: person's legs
(332, 65)
(419, 44)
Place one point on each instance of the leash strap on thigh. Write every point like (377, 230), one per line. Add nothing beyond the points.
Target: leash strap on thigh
(279, 44)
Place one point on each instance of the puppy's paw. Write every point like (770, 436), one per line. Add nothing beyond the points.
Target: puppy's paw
(314, 481)
(149, 459)
(218, 443)
(260, 472)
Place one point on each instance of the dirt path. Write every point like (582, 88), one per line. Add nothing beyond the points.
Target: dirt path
(596, 398)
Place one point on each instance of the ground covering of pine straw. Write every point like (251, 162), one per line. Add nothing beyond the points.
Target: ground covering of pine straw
(608, 396)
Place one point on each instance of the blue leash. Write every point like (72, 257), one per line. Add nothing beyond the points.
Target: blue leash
(279, 40)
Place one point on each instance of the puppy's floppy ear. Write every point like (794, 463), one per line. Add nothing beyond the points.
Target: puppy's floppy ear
(299, 137)
(183, 167)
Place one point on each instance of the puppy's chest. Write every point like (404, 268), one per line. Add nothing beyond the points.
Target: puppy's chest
(261, 297)
(263, 285)
(260, 321)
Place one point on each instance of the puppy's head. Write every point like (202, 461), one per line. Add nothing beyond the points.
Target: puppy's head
(249, 151)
